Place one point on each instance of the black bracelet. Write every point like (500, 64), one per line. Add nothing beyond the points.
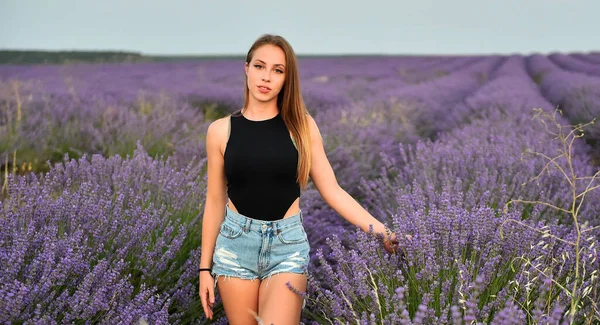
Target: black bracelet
(205, 269)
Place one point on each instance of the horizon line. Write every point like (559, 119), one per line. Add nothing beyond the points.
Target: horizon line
(299, 54)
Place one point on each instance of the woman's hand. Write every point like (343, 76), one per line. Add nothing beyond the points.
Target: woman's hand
(207, 294)
(391, 242)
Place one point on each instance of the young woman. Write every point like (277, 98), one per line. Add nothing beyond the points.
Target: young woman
(259, 159)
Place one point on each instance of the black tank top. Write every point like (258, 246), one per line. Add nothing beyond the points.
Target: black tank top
(261, 162)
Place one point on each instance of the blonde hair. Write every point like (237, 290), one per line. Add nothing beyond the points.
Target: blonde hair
(290, 103)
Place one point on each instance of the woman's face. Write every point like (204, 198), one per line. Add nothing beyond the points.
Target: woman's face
(266, 73)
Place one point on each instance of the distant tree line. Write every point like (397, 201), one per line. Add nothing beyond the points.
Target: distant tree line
(64, 57)
(60, 57)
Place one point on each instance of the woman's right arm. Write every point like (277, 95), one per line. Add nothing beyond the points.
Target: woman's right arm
(216, 194)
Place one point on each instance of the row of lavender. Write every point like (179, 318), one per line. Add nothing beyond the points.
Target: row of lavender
(221, 81)
(573, 90)
(114, 240)
(52, 110)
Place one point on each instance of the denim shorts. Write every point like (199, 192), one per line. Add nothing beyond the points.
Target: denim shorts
(251, 249)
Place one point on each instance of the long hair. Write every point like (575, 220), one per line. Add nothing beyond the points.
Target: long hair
(290, 103)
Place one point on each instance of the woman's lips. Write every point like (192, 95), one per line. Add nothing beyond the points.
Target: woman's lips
(263, 89)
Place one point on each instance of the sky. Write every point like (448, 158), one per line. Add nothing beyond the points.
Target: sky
(224, 27)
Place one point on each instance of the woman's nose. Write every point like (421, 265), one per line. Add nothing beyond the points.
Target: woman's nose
(266, 76)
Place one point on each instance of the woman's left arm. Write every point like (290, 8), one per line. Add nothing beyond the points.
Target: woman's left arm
(337, 198)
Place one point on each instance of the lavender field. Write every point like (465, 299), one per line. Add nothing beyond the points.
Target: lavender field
(104, 181)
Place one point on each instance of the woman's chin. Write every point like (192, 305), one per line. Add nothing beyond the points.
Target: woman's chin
(263, 98)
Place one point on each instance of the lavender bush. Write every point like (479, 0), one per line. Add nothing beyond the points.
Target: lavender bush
(107, 241)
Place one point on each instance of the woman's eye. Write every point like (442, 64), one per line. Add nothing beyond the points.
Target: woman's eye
(258, 66)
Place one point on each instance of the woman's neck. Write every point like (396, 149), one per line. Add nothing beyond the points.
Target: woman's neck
(259, 113)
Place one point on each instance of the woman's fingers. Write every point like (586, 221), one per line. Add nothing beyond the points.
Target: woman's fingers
(204, 304)
(209, 305)
(211, 298)
(207, 298)
(391, 243)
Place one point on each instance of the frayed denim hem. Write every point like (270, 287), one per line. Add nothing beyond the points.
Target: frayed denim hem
(228, 276)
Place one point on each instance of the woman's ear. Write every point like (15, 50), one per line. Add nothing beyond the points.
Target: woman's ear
(246, 68)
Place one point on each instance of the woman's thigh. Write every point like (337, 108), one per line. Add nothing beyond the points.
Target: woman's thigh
(240, 299)
(278, 304)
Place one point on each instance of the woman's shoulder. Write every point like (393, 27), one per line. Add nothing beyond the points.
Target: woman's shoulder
(221, 125)
(217, 126)
(218, 131)
(313, 127)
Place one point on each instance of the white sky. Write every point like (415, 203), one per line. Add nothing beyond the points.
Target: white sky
(312, 27)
